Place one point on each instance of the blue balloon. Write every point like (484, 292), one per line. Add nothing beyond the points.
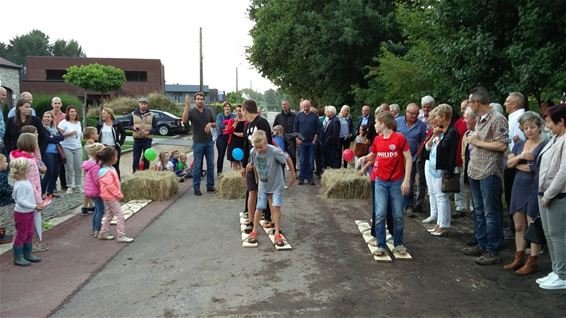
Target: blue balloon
(237, 154)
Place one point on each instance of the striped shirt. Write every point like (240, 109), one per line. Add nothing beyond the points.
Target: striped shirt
(492, 127)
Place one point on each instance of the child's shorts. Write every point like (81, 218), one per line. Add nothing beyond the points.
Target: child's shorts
(276, 200)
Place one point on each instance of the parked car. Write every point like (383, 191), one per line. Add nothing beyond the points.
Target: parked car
(168, 123)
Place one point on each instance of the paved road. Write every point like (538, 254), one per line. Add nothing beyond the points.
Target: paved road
(189, 262)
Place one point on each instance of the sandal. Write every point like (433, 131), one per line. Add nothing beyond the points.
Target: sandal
(279, 240)
(252, 238)
(380, 252)
(402, 250)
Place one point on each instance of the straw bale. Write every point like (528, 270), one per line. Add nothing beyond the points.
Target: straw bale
(344, 184)
(231, 185)
(150, 185)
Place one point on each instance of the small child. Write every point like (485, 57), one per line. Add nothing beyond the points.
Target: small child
(5, 187)
(163, 164)
(90, 135)
(182, 169)
(267, 161)
(111, 193)
(37, 154)
(24, 209)
(91, 186)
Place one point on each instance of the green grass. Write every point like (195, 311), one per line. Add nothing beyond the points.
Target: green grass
(128, 145)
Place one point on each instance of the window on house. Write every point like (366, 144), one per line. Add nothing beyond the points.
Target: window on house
(136, 76)
(54, 75)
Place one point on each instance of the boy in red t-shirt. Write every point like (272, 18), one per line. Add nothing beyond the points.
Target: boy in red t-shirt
(392, 172)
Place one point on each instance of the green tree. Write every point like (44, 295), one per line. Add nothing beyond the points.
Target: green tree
(318, 49)
(64, 48)
(271, 98)
(234, 98)
(34, 43)
(95, 77)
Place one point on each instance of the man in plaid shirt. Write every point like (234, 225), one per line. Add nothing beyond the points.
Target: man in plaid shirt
(485, 172)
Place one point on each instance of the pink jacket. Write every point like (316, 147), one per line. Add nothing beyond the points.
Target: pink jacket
(109, 182)
(91, 188)
(33, 174)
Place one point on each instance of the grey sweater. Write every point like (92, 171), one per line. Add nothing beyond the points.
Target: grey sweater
(552, 174)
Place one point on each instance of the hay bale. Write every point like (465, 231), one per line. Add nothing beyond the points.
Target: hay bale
(344, 184)
(231, 185)
(150, 185)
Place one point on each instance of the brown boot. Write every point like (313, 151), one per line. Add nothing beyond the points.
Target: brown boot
(529, 267)
(517, 262)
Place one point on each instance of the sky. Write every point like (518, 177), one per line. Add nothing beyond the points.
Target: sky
(167, 30)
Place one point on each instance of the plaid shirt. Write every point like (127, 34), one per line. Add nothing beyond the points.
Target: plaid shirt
(483, 162)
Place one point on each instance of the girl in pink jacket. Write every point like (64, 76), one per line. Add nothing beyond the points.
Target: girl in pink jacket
(111, 193)
(91, 186)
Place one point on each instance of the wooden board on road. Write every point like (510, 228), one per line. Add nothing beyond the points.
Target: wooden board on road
(365, 230)
(245, 242)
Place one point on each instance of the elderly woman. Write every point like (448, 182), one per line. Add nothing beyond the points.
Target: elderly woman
(443, 147)
(111, 133)
(552, 197)
(346, 130)
(330, 139)
(524, 204)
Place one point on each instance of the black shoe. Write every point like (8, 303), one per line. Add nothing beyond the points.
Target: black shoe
(312, 182)
(248, 229)
(84, 211)
(473, 251)
(213, 189)
(197, 192)
(90, 209)
(472, 242)
(301, 181)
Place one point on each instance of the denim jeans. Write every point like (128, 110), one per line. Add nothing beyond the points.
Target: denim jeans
(306, 155)
(388, 194)
(201, 150)
(98, 213)
(53, 164)
(221, 145)
(486, 194)
(140, 145)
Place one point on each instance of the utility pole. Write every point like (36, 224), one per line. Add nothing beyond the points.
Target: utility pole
(201, 72)
(236, 79)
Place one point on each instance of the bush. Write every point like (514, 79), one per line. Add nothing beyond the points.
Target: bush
(125, 104)
(42, 103)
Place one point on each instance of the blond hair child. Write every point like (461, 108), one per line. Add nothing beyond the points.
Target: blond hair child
(90, 135)
(91, 185)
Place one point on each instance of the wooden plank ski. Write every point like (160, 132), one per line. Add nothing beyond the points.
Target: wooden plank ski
(365, 230)
(131, 208)
(245, 242)
(271, 234)
(391, 247)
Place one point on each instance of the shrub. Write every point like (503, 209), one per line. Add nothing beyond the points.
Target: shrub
(125, 104)
(42, 102)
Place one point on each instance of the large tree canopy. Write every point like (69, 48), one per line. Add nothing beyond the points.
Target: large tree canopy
(318, 49)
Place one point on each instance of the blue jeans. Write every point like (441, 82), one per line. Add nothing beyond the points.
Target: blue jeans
(486, 195)
(53, 164)
(140, 145)
(98, 213)
(388, 194)
(200, 150)
(306, 156)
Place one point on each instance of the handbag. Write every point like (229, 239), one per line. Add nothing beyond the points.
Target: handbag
(450, 183)
(535, 232)
(61, 154)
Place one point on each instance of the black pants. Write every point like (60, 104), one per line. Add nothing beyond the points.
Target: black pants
(140, 145)
(508, 179)
(62, 177)
(331, 156)
(344, 144)
(221, 145)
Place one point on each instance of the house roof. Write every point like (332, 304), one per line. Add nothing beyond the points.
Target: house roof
(6, 63)
(176, 88)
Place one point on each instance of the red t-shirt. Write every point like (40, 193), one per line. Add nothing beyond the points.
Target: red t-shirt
(388, 154)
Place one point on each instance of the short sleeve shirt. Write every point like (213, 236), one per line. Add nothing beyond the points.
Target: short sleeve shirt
(199, 120)
(389, 162)
(492, 127)
(268, 167)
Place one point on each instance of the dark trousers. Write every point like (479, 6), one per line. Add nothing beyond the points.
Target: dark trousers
(140, 145)
(319, 158)
(344, 144)
(421, 186)
(292, 151)
(331, 156)
(508, 179)
(117, 164)
(53, 164)
(221, 145)
(62, 177)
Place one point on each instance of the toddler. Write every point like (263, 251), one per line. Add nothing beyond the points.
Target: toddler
(91, 186)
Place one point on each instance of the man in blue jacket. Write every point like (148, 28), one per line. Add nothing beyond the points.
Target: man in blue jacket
(308, 126)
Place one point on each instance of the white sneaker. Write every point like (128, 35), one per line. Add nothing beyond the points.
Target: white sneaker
(546, 278)
(69, 190)
(553, 284)
(105, 237)
(124, 239)
(429, 220)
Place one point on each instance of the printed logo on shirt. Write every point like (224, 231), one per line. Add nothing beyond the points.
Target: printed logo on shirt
(251, 132)
(387, 154)
(392, 147)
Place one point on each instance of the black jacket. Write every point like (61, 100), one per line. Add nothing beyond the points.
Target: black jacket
(117, 131)
(331, 134)
(371, 128)
(286, 120)
(14, 131)
(447, 150)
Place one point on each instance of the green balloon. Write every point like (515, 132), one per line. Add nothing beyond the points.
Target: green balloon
(150, 154)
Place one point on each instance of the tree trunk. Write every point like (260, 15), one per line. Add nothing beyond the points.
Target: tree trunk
(84, 109)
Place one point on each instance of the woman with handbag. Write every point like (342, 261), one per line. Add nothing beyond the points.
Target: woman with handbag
(52, 157)
(111, 134)
(440, 167)
(524, 204)
(552, 197)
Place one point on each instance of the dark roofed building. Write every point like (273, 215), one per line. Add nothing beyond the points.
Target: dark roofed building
(177, 92)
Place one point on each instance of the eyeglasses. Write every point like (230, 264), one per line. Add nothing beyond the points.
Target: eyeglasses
(412, 113)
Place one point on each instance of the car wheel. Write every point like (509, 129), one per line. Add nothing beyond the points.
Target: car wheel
(163, 130)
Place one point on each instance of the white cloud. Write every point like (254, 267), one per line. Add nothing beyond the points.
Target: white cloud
(166, 30)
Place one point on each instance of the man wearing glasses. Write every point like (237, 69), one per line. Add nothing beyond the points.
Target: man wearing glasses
(414, 131)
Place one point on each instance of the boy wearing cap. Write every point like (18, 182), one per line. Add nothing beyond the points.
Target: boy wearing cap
(143, 124)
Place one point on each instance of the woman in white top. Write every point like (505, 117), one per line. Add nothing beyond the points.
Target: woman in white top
(71, 129)
(111, 133)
